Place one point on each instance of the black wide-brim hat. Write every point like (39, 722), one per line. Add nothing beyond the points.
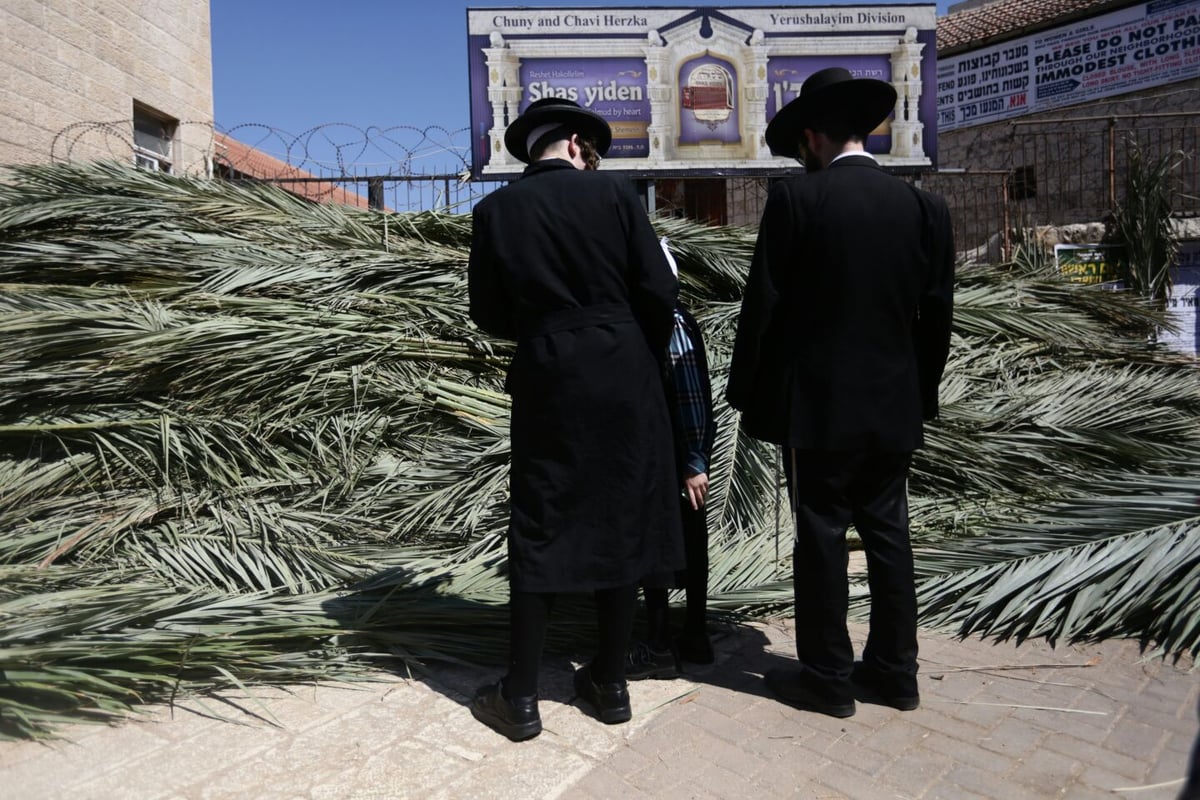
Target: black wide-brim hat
(550, 110)
(831, 94)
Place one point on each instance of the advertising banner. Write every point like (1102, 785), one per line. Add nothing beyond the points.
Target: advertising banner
(1182, 304)
(691, 90)
(1085, 263)
(1138, 47)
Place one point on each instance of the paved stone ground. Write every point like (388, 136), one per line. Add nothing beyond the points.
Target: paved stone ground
(996, 721)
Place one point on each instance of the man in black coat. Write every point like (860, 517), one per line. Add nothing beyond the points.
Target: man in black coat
(842, 340)
(564, 261)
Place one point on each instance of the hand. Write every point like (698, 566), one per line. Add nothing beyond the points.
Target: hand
(696, 489)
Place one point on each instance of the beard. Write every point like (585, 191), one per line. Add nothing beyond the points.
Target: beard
(810, 160)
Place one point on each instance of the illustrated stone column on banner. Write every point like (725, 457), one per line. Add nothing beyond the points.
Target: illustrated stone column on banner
(661, 92)
(504, 93)
(907, 128)
(756, 90)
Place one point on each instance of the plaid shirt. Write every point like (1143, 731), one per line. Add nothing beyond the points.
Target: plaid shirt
(694, 412)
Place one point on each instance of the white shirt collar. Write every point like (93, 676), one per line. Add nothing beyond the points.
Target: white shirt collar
(854, 153)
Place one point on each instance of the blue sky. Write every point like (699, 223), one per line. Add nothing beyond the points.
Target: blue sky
(292, 65)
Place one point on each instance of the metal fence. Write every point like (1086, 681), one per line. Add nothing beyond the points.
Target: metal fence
(1063, 171)
(1021, 174)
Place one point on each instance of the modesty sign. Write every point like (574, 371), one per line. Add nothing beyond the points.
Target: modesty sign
(691, 90)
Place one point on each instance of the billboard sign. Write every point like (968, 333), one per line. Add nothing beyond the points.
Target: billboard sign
(690, 90)
(1139, 47)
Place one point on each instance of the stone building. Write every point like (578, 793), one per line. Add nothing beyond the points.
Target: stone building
(1040, 102)
(128, 81)
(109, 79)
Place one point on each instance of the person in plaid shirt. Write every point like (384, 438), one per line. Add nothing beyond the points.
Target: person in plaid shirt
(690, 393)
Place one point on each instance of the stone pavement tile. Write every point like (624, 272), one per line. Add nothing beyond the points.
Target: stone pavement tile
(1172, 763)
(962, 751)
(1097, 778)
(951, 792)
(694, 773)
(163, 769)
(1136, 739)
(864, 759)
(720, 753)
(43, 770)
(1160, 699)
(776, 745)
(516, 773)
(952, 686)
(625, 761)
(934, 716)
(850, 783)
(1182, 744)
(1068, 744)
(1046, 772)
(1094, 726)
(1181, 722)
(894, 735)
(761, 712)
(1080, 792)
(782, 780)
(1118, 682)
(986, 784)
(980, 713)
(915, 770)
(1029, 691)
(604, 783)
(732, 731)
(831, 733)
(1013, 737)
(655, 780)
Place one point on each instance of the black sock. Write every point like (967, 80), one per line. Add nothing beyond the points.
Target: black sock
(658, 618)
(528, 613)
(614, 614)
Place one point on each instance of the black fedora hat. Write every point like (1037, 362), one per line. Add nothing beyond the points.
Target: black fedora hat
(555, 111)
(831, 94)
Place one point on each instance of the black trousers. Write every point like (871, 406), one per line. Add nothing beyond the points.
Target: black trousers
(693, 579)
(529, 614)
(830, 490)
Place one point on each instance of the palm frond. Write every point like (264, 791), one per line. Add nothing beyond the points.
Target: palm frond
(244, 437)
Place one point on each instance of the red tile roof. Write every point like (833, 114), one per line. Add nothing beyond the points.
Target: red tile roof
(1006, 19)
(250, 162)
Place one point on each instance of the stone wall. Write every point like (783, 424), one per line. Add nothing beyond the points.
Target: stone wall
(1065, 166)
(66, 66)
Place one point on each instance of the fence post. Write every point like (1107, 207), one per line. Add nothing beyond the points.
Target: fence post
(1006, 217)
(375, 194)
(1112, 162)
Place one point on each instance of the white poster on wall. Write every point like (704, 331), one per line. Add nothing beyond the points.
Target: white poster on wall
(1146, 45)
(1185, 295)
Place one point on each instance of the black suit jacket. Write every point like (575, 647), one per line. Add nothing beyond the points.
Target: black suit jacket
(845, 323)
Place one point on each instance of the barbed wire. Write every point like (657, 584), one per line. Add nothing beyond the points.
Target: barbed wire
(339, 149)
(332, 151)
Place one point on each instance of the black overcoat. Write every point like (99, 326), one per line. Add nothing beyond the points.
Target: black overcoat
(565, 262)
(845, 323)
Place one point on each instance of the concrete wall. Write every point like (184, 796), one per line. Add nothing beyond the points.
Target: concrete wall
(71, 71)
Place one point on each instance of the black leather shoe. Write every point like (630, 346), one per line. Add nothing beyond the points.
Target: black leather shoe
(517, 718)
(611, 700)
(870, 687)
(789, 687)
(643, 661)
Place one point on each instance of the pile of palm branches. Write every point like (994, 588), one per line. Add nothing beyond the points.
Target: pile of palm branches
(246, 438)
